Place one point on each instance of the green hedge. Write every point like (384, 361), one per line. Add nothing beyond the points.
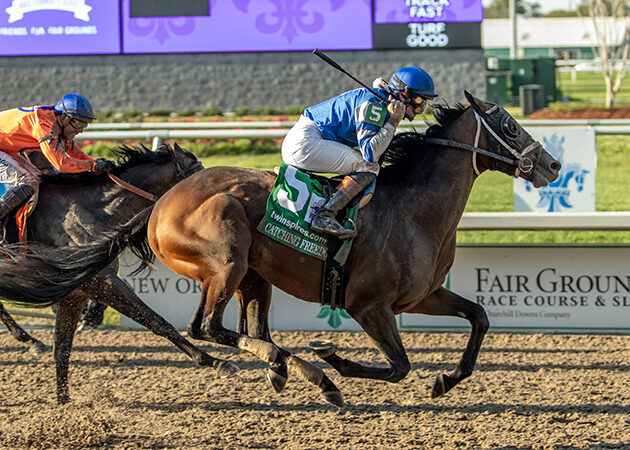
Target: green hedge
(201, 149)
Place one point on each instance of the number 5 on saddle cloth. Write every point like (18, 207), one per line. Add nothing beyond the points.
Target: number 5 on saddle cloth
(293, 201)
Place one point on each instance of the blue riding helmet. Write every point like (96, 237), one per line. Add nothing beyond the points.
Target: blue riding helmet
(413, 80)
(75, 105)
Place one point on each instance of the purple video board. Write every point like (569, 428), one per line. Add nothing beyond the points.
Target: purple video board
(254, 25)
(407, 11)
(59, 27)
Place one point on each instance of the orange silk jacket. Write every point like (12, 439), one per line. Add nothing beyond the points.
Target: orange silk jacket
(35, 129)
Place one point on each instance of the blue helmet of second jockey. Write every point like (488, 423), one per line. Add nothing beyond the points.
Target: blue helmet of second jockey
(347, 134)
(75, 105)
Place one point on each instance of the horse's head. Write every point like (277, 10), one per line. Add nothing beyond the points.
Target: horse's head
(155, 170)
(184, 162)
(516, 152)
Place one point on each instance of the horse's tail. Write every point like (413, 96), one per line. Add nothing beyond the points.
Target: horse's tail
(43, 275)
(139, 246)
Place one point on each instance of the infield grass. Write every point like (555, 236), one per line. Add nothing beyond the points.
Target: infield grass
(588, 87)
(492, 192)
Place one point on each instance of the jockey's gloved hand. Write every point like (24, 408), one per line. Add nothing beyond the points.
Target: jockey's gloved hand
(104, 165)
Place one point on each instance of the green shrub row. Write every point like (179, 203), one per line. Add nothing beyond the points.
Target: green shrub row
(201, 149)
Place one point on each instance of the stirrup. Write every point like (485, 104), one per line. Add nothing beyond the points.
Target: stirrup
(330, 226)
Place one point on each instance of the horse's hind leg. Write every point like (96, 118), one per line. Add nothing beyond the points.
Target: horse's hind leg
(254, 297)
(68, 313)
(92, 315)
(207, 323)
(446, 303)
(107, 289)
(37, 347)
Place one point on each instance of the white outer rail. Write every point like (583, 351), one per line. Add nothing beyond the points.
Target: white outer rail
(289, 124)
(575, 221)
(146, 131)
(149, 134)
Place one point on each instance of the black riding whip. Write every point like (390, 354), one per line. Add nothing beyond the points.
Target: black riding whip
(342, 70)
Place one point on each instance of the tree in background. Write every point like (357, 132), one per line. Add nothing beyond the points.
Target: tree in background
(500, 9)
(612, 35)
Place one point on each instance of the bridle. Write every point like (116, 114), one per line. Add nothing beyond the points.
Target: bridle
(180, 174)
(521, 162)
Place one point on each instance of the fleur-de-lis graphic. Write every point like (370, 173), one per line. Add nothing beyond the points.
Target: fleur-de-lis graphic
(161, 27)
(289, 16)
(555, 196)
(334, 317)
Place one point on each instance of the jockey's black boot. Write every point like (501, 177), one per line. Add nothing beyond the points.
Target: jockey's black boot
(324, 219)
(13, 198)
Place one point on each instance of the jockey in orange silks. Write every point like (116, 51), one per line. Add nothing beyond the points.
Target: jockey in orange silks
(50, 130)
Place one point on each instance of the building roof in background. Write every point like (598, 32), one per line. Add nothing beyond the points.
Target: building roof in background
(543, 32)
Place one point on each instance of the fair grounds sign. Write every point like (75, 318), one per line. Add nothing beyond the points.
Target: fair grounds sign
(533, 288)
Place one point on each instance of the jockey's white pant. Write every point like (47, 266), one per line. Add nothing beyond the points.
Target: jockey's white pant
(304, 147)
(16, 171)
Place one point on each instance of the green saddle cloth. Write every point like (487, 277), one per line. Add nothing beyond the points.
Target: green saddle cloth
(291, 205)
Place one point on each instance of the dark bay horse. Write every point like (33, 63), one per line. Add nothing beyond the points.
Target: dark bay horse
(36, 346)
(81, 223)
(205, 229)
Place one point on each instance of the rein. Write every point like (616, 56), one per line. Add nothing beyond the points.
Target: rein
(521, 163)
(180, 174)
(130, 187)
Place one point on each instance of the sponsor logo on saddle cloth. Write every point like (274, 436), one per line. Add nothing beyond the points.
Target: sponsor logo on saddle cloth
(291, 205)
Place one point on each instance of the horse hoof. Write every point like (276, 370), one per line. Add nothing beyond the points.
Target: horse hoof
(323, 348)
(334, 398)
(277, 380)
(39, 348)
(440, 386)
(226, 369)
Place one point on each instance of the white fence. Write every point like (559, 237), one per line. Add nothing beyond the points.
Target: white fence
(585, 221)
(146, 131)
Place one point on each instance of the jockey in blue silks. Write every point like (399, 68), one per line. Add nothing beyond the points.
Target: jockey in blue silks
(347, 134)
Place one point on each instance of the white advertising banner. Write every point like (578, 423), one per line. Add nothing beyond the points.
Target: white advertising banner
(176, 298)
(522, 288)
(574, 190)
(541, 288)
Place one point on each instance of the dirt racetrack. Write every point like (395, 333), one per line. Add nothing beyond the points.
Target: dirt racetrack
(134, 390)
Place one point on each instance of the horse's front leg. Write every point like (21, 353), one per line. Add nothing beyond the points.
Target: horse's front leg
(37, 347)
(106, 288)
(254, 298)
(207, 323)
(443, 302)
(379, 322)
(69, 311)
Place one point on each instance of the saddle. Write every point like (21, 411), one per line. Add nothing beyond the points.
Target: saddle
(294, 199)
(13, 227)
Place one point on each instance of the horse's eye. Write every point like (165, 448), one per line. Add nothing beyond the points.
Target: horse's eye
(511, 128)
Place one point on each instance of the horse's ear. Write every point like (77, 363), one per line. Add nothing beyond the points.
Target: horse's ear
(177, 147)
(477, 105)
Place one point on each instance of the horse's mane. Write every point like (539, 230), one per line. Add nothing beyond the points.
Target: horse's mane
(126, 157)
(409, 149)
